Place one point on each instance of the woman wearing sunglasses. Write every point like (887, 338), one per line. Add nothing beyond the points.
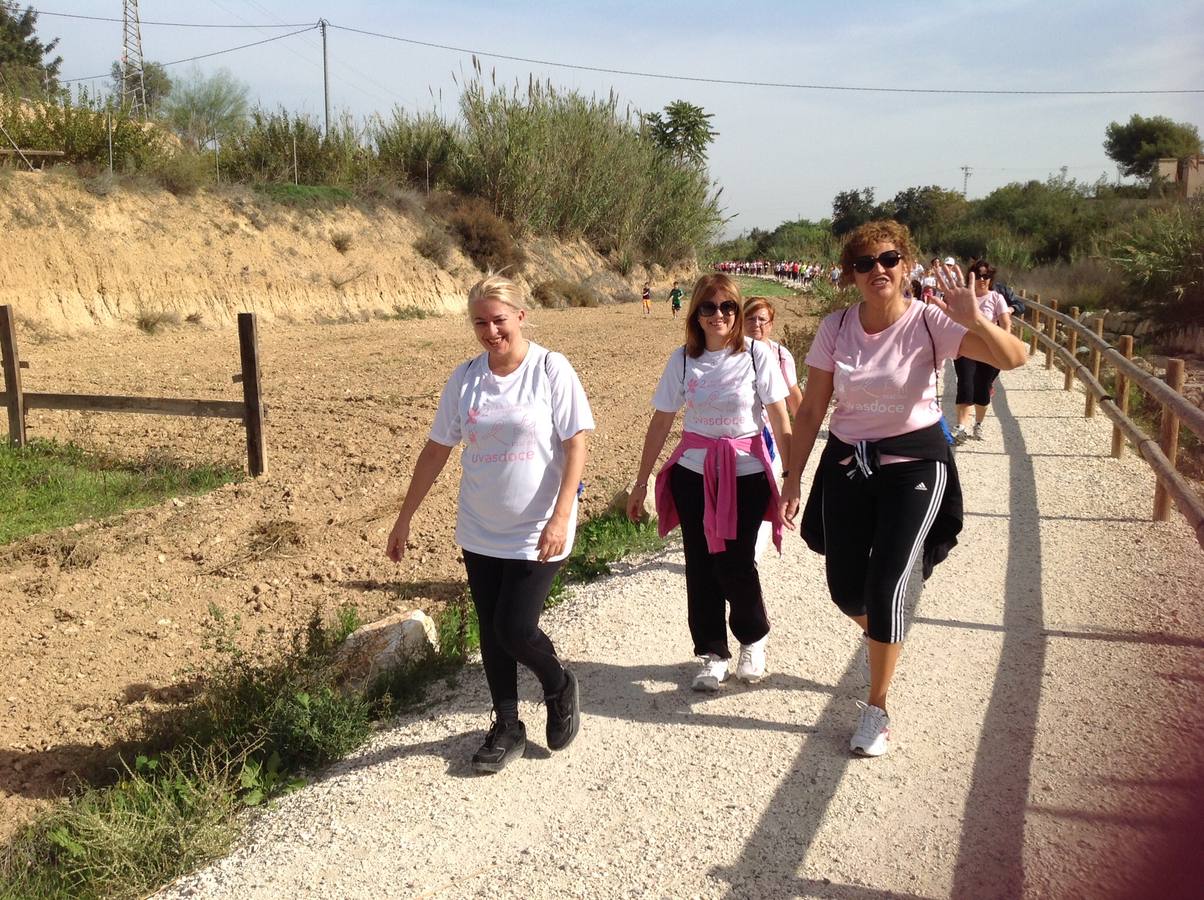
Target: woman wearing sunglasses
(976, 380)
(885, 492)
(718, 481)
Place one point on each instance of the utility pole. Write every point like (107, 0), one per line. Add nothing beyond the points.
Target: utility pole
(965, 179)
(322, 23)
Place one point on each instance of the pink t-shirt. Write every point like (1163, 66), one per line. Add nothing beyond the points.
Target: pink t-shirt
(993, 306)
(885, 383)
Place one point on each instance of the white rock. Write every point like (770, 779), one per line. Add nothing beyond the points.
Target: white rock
(384, 645)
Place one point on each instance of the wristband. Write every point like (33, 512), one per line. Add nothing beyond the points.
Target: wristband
(642, 484)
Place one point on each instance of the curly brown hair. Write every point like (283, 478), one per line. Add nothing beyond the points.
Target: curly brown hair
(863, 237)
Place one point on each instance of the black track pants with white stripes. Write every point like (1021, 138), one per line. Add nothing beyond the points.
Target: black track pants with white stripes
(874, 530)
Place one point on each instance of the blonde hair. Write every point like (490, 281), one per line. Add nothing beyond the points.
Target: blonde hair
(497, 287)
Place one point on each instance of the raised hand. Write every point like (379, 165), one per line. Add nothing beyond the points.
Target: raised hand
(959, 302)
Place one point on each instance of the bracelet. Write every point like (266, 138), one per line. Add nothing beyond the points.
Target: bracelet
(641, 484)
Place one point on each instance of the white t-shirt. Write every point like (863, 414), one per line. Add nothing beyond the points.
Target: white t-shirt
(513, 428)
(720, 397)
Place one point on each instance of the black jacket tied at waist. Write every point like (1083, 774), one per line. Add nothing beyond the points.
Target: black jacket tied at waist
(925, 443)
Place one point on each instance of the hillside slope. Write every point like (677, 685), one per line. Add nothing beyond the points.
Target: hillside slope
(81, 253)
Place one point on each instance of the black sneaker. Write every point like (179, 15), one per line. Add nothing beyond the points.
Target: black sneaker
(564, 713)
(503, 742)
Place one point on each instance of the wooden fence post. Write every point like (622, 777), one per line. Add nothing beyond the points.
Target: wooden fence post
(1121, 398)
(1073, 348)
(248, 348)
(12, 377)
(1089, 412)
(1036, 326)
(1051, 331)
(1170, 439)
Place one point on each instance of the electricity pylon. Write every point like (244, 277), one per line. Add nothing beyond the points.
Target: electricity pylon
(133, 84)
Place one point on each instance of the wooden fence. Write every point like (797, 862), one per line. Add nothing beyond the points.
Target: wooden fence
(250, 409)
(1042, 321)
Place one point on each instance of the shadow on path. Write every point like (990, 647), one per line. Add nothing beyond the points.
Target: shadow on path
(990, 858)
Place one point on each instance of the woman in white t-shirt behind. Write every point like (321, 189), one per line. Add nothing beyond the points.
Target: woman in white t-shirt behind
(718, 482)
(759, 315)
(976, 380)
(885, 492)
(522, 416)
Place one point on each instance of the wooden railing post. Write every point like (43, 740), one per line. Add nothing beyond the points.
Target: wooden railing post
(248, 347)
(1122, 397)
(1089, 412)
(1073, 347)
(1051, 331)
(12, 377)
(1036, 326)
(1169, 439)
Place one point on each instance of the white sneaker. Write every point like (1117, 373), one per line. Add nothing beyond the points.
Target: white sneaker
(712, 674)
(960, 436)
(872, 737)
(978, 431)
(751, 668)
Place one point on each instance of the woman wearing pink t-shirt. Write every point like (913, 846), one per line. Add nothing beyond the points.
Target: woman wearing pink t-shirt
(976, 380)
(885, 492)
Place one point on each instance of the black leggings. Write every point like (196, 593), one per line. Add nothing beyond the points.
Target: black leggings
(509, 595)
(874, 530)
(974, 381)
(716, 580)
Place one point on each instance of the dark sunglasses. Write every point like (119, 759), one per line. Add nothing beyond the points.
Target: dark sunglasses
(889, 260)
(707, 308)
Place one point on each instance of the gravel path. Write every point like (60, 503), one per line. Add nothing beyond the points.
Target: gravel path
(1045, 711)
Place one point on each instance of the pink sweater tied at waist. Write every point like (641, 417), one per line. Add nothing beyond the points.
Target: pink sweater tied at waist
(719, 488)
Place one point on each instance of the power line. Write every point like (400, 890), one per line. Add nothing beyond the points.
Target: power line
(59, 15)
(740, 83)
(176, 62)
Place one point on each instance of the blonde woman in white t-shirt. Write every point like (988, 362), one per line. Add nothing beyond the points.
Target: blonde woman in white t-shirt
(718, 482)
(885, 493)
(522, 416)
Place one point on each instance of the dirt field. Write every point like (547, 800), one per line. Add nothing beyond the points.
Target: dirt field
(105, 621)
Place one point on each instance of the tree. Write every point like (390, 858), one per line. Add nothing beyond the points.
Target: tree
(850, 209)
(1137, 146)
(155, 82)
(23, 58)
(202, 107)
(928, 211)
(684, 131)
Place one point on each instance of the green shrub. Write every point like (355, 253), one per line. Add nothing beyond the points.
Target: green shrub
(282, 147)
(182, 173)
(165, 816)
(421, 150)
(1161, 258)
(435, 245)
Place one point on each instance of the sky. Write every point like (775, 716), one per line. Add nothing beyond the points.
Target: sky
(781, 153)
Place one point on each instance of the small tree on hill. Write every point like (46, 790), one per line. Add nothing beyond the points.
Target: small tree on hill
(24, 59)
(204, 106)
(1137, 146)
(684, 131)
